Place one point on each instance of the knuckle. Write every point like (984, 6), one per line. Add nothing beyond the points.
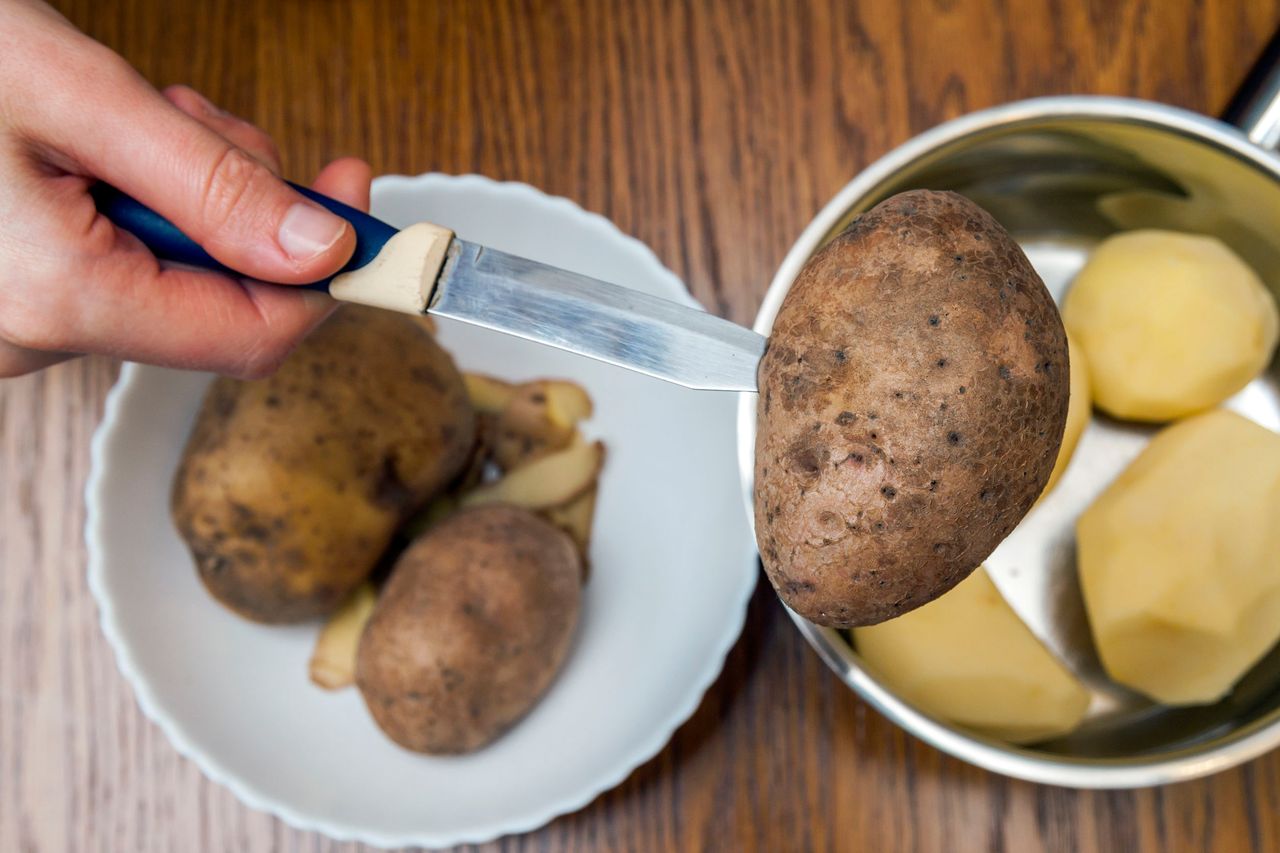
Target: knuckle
(234, 179)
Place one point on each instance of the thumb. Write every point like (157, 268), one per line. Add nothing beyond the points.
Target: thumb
(218, 194)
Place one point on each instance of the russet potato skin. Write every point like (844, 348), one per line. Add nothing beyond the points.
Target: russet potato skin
(912, 400)
(291, 486)
(471, 628)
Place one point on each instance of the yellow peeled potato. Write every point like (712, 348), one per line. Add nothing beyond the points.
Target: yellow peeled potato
(1171, 324)
(1079, 408)
(967, 658)
(1180, 560)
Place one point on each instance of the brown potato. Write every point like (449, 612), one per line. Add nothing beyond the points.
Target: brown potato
(912, 400)
(471, 628)
(292, 486)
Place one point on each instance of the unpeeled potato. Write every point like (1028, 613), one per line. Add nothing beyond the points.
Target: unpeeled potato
(471, 628)
(291, 487)
(912, 400)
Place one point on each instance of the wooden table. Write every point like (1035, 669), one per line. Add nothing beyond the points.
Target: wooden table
(713, 132)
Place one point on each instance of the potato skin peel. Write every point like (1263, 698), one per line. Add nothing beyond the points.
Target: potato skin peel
(912, 400)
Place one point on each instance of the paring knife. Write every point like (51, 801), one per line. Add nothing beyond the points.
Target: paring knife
(426, 269)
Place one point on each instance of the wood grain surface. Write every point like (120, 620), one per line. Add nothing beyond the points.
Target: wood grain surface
(712, 131)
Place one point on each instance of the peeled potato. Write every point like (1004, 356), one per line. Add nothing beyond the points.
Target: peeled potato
(1171, 324)
(1079, 407)
(967, 658)
(1180, 560)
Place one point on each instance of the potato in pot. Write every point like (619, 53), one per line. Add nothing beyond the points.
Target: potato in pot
(471, 628)
(912, 401)
(291, 487)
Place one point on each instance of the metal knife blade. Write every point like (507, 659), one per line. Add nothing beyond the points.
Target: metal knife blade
(425, 267)
(604, 321)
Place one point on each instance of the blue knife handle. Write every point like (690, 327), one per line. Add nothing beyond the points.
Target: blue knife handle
(168, 243)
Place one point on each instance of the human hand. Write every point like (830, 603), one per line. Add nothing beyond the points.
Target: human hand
(72, 112)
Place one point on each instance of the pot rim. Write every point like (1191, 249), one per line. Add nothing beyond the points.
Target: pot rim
(1237, 747)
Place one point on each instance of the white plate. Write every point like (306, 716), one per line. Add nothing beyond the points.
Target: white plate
(674, 565)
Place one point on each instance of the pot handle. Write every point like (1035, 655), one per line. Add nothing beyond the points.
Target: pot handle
(1255, 109)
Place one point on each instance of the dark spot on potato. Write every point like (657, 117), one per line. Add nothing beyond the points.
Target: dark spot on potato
(223, 404)
(272, 401)
(875, 435)
(430, 378)
(794, 587)
(889, 492)
(942, 362)
(293, 559)
(451, 678)
(933, 485)
(806, 460)
(957, 258)
(961, 389)
(840, 356)
(1005, 373)
(388, 489)
(985, 495)
(953, 438)
(845, 418)
(897, 395)
(878, 526)
(872, 416)
(942, 407)
(934, 320)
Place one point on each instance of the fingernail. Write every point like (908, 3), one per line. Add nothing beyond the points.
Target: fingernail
(308, 230)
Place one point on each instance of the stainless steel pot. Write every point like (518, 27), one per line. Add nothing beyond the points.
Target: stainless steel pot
(1062, 173)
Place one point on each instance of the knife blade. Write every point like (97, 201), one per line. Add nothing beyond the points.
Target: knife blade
(426, 269)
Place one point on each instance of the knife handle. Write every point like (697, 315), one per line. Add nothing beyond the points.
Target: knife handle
(168, 243)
